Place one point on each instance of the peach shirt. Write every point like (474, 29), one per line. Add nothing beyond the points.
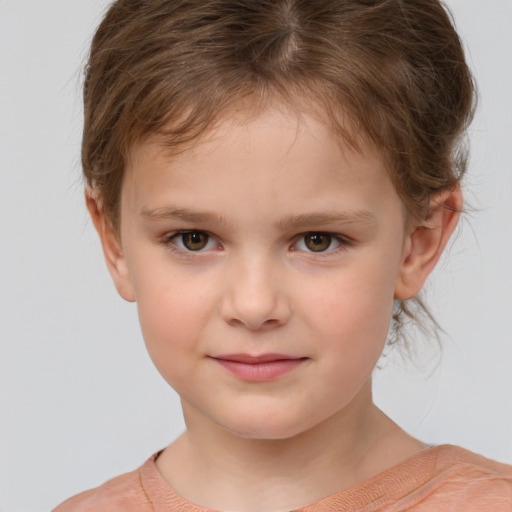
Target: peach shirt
(439, 479)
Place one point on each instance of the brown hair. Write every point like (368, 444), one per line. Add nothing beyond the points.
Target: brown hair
(390, 72)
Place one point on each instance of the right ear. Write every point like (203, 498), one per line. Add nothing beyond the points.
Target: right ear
(112, 248)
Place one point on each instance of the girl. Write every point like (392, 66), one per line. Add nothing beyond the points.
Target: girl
(272, 183)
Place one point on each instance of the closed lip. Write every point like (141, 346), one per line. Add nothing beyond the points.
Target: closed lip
(256, 359)
(258, 368)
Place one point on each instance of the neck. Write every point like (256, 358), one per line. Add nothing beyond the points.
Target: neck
(215, 468)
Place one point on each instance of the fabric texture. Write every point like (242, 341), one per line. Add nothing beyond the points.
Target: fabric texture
(442, 478)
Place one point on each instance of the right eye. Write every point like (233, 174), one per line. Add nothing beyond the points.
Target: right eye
(193, 241)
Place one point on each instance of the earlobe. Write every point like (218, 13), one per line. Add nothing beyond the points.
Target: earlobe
(112, 248)
(426, 241)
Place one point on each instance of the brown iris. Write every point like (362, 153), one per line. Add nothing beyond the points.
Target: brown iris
(317, 242)
(195, 240)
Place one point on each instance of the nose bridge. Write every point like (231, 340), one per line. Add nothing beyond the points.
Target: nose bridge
(254, 295)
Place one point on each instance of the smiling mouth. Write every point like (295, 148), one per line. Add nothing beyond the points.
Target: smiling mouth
(258, 368)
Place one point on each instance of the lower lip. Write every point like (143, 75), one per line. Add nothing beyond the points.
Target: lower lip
(260, 372)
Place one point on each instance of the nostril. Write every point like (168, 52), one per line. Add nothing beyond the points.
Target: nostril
(254, 326)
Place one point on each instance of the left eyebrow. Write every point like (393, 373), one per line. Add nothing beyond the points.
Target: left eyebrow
(325, 218)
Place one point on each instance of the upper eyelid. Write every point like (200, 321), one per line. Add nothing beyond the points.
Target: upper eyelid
(294, 237)
(338, 236)
(185, 231)
(169, 236)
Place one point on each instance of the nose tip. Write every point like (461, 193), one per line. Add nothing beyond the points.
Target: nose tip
(255, 300)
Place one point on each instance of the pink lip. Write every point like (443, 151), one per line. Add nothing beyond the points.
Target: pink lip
(258, 368)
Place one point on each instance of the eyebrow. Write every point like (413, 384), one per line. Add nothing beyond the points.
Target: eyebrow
(184, 214)
(289, 222)
(322, 218)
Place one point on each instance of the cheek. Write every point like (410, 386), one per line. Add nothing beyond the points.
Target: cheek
(350, 315)
(358, 299)
(172, 313)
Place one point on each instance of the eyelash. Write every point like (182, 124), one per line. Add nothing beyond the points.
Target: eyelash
(343, 242)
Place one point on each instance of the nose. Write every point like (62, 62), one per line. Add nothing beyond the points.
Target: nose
(254, 296)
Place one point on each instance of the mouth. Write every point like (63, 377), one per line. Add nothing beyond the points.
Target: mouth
(259, 368)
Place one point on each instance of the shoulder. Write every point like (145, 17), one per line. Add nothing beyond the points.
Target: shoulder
(461, 480)
(456, 459)
(441, 478)
(124, 493)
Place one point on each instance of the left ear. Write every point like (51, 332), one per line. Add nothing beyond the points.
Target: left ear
(426, 241)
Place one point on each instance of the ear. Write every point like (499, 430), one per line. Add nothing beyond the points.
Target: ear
(426, 241)
(112, 248)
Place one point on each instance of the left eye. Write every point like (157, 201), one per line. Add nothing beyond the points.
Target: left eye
(318, 242)
(194, 241)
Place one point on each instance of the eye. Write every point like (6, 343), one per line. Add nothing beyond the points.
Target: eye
(194, 241)
(318, 242)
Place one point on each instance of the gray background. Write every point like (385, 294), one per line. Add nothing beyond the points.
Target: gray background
(79, 399)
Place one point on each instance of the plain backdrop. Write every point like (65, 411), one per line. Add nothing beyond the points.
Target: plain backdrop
(80, 401)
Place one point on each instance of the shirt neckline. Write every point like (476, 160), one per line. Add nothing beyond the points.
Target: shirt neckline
(388, 485)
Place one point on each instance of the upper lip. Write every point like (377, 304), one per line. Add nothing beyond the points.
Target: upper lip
(255, 359)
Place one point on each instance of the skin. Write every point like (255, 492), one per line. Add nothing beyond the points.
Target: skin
(252, 190)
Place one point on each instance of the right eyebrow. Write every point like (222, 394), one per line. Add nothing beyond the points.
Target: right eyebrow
(184, 214)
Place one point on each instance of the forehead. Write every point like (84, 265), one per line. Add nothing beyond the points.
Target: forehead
(279, 134)
(179, 140)
(188, 128)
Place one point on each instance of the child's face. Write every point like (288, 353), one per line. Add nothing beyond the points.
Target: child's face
(265, 239)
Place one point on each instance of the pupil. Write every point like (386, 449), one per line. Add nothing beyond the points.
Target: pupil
(195, 241)
(318, 243)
